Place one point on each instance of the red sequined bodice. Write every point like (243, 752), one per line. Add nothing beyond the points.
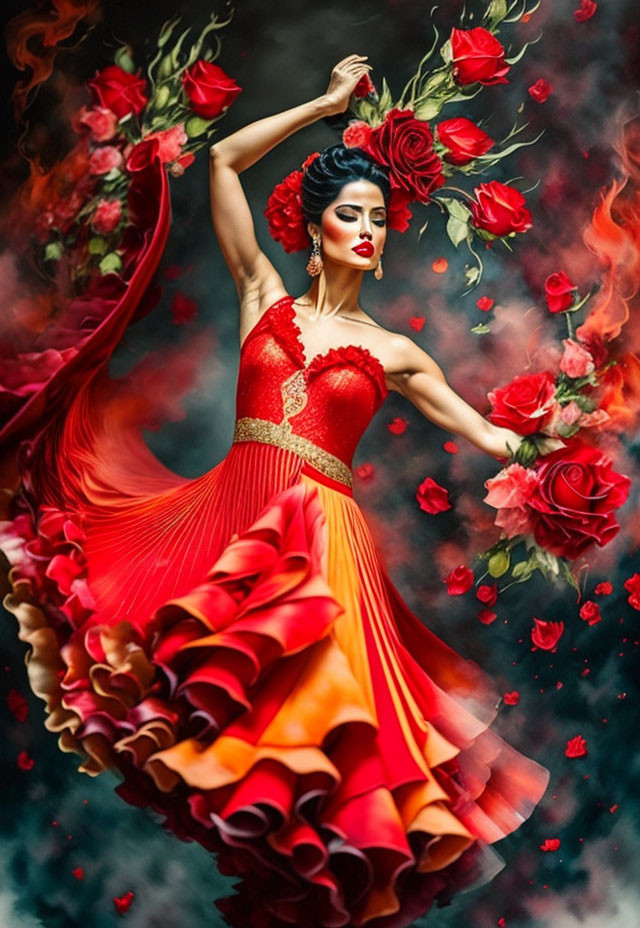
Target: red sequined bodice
(329, 401)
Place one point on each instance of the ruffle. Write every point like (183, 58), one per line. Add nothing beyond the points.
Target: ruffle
(282, 317)
(236, 714)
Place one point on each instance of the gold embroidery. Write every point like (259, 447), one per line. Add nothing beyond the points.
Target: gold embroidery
(294, 394)
(280, 434)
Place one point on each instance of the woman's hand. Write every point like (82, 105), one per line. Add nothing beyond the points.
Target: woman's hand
(343, 80)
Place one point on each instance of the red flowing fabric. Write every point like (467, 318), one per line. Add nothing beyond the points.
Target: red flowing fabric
(233, 647)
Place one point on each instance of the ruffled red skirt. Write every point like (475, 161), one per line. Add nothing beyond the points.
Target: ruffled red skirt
(234, 648)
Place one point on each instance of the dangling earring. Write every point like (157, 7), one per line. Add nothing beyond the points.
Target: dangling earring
(378, 271)
(315, 265)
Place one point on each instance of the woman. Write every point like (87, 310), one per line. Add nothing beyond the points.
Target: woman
(247, 665)
(355, 215)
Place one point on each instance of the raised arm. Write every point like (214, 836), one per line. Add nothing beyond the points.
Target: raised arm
(421, 380)
(254, 275)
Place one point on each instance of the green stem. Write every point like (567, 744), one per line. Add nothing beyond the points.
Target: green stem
(569, 325)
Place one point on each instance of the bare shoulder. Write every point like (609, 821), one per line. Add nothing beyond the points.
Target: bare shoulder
(400, 356)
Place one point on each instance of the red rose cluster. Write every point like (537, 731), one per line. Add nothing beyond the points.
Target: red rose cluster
(119, 94)
(566, 501)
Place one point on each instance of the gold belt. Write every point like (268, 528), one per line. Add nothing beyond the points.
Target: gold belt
(280, 434)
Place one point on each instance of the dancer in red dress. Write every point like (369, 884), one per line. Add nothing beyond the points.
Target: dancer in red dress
(247, 664)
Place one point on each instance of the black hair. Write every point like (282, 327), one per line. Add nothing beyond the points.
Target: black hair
(327, 174)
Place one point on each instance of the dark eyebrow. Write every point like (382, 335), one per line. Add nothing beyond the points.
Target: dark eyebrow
(359, 208)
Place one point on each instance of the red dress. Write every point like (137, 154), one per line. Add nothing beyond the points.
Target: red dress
(233, 646)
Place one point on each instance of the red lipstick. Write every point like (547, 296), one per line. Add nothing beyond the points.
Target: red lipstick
(364, 248)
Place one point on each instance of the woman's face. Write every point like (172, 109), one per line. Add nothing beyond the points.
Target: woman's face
(356, 219)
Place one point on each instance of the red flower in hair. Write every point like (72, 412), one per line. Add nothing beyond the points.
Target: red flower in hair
(284, 213)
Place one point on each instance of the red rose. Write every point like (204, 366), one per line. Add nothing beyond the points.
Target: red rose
(119, 91)
(404, 144)
(485, 303)
(464, 140)
(632, 586)
(541, 90)
(500, 209)
(284, 213)
(546, 635)
(590, 612)
(364, 87)
(209, 89)
(477, 56)
(605, 588)
(558, 290)
(586, 10)
(459, 580)
(573, 501)
(398, 212)
(487, 594)
(525, 404)
(432, 497)
(512, 698)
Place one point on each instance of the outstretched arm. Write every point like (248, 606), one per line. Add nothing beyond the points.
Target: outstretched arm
(230, 212)
(421, 380)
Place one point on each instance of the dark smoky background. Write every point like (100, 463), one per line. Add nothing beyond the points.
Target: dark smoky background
(54, 820)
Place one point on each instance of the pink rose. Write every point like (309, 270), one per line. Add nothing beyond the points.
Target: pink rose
(104, 159)
(509, 492)
(570, 413)
(107, 215)
(357, 134)
(576, 361)
(591, 420)
(170, 142)
(101, 121)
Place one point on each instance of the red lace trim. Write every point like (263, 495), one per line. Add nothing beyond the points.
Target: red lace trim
(357, 355)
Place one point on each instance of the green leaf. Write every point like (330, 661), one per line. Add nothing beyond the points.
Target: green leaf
(97, 245)
(481, 329)
(110, 262)
(499, 564)
(167, 30)
(446, 52)
(428, 109)
(124, 60)
(53, 251)
(457, 230)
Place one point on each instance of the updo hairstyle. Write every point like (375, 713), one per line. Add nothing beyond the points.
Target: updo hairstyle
(335, 167)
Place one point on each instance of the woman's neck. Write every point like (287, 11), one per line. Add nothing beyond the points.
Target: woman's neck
(335, 292)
